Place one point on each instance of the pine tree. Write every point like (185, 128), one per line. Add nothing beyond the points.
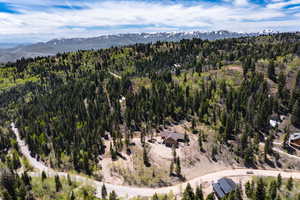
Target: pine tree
(285, 141)
(238, 193)
(214, 152)
(281, 84)
(58, 185)
(188, 193)
(248, 156)
(290, 184)
(113, 196)
(145, 157)
(72, 196)
(174, 153)
(165, 197)
(200, 142)
(186, 138)
(69, 180)
(271, 71)
(44, 176)
(248, 189)
(273, 190)
(103, 192)
(7, 181)
(199, 193)
(6, 195)
(113, 152)
(155, 197)
(295, 118)
(193, 123)
(268, 147)
(211, 196)
(279, 181)
(178, 167)
(15, 160)
(260, 193)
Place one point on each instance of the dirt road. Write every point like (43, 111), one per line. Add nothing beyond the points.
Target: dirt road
(281, 151)
(127, 191)
(115, 75)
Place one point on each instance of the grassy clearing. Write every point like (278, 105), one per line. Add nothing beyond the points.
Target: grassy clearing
(7, 79)
(283, 193)
(140, 175)
(169, 196)
(294, 64)
(46, 190)
(189, 79)
(231, 74)
(139, 82)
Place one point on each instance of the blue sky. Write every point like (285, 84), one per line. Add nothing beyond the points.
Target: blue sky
(42, 20)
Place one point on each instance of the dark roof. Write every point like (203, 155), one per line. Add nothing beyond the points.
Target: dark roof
(170, 139)
(275, 117)
(174, 135)
(223, 187)
(227, 185)
(295, 136)
(219, 192)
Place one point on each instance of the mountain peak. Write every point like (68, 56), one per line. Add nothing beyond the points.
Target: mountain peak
(55, 46)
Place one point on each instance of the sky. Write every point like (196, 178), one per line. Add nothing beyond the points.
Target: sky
(26, 21)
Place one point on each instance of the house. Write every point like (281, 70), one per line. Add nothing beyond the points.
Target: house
(122, 99)
(273, 123)
(275, 117)
(171, 138)
(294, 140)
(170, 142)
(274, 120)
(223, 187)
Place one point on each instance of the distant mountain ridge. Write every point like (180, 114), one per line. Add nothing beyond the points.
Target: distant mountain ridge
(55, 46)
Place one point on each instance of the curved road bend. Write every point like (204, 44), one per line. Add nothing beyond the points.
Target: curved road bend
(127, 191)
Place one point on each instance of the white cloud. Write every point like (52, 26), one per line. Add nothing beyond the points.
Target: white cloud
(279, 5)
(160, 17)
(241, 2)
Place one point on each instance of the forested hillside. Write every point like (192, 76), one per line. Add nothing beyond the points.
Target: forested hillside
(74, 107)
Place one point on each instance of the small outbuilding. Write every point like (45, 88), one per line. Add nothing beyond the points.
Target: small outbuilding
(223, 187)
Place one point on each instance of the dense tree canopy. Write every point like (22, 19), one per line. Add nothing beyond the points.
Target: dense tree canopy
(73, 100)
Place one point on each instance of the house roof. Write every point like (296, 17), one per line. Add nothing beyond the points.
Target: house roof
(173, 135)
(170, 139)
(275, 117)
(227, 185)
(223, 187)
(295, 136)
(218, 190)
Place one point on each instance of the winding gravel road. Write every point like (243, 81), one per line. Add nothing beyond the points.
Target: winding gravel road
(281, 151)
(128, 192)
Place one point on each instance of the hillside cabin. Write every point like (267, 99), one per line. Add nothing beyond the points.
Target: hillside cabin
(171, 138)
(170, 142)
(223, 187)
(294, 140)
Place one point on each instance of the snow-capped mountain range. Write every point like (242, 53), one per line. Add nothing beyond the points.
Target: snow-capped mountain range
(54, 46)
